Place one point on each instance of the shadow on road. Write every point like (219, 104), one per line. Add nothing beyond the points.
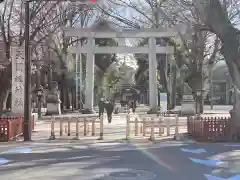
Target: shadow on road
(116, 161)
(74, 162)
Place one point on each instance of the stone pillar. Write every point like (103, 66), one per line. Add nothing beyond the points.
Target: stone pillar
(170, 80)
(18, 80)
(153, 93)
(90, 76)
(77, 80)
(80, 81)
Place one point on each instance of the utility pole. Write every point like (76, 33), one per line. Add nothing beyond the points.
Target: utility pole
(27, 85)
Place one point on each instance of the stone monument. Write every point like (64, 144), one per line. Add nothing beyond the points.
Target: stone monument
(53, 101)
(188, 104)
(18, 78)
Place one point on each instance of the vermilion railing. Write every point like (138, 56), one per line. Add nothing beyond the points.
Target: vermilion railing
(12, 127)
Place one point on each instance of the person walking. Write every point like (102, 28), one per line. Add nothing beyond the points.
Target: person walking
(134, 106)
(109, 109)
(101, 106)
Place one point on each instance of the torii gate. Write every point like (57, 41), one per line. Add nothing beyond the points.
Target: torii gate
(90, 49)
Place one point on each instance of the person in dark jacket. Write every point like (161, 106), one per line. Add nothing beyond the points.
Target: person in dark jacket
(109, 108)
(101, 106)
(133, 106)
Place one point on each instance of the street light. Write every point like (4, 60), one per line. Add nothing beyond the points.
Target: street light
(27, 82)
(27, 85)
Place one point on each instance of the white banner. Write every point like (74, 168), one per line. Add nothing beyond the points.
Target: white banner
(18, 78)
(163, 102)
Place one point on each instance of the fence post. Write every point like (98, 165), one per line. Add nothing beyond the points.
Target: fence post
(52, 137)
(176, 137)
(77, 129)
(168, 127)
(152, 137)
(136, 126)
(101, 127)
(85, 127)
(159, 124)
(93, 127)
(144, 126)
(188, 126)
(202, 133)
(127, 126)
(69, 126)
(61, 127)
(87, 132)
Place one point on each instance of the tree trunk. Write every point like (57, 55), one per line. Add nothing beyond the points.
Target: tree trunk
(62, 92)
(73, 98)
(6, 98)
(67, 98)
(162, 68)
(50, 78)
(5, 81)
(196, 84)
(3, 99)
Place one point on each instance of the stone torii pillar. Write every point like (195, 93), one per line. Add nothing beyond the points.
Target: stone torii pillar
(153, 89)
(89, 91)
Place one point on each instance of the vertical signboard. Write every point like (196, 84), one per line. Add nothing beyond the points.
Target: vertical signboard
(163, 102)
(18, 76)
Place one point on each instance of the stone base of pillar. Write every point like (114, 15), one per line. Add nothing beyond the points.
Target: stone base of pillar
(155, 110)
(88, 111)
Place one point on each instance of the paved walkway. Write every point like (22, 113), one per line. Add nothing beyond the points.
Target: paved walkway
(112, 131)
(116, 129)
(217, 109)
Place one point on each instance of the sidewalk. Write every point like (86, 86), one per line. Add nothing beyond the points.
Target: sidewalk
(217, 109)
(114, 131)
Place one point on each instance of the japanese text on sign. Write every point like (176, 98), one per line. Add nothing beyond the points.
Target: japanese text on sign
(18, 75)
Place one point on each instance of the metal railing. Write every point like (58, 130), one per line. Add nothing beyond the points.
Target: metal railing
(141, 125)
(79, 123)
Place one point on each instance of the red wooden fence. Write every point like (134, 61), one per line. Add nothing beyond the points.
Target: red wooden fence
(215, 129)
(12, 127)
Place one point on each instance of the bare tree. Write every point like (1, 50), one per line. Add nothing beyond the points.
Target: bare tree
(217, 18)
(44, 20)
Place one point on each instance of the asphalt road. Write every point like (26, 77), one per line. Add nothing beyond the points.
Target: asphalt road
(119, 160)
